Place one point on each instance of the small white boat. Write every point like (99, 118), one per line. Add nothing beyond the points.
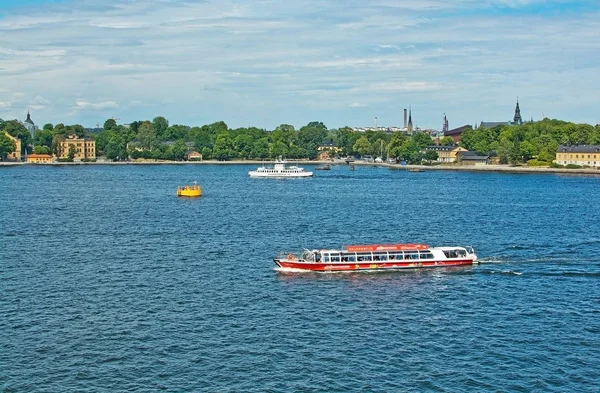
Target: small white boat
(280, 170)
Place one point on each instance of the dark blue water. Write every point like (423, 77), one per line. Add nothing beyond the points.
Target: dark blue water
(110, 283)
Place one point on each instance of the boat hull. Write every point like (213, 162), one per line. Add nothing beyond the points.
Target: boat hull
(279, 175)
(359, 266)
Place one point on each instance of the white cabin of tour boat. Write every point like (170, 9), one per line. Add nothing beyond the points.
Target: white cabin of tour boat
(280, 170)
(377, 257)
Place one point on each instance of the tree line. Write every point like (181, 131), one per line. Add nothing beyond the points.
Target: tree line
(534, 142)
(157, 139)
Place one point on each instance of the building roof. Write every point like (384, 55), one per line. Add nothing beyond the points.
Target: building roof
(10, 136)
(492, 124)
(472, 155)
(28, 120)
(578, 149)
(444, 148)
(457, 131)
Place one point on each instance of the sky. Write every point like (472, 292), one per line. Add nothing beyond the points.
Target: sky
(263, 63)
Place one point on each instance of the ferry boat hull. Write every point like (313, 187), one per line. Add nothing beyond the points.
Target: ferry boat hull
(333, 267)
(377, 257)
(257, 174)
(280, 170)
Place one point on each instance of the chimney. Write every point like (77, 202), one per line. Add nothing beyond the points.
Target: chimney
(404, 117)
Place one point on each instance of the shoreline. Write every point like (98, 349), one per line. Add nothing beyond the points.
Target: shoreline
(442, 167)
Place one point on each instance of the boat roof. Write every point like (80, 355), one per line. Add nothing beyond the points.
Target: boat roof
(386, 247)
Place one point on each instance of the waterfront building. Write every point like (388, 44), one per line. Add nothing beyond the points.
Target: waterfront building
(39, 158)
(15, 155)
(582, 155)
(455, 133)
(84, 148)
(447, 154)
(472, 158)
(193, 156)
(328, 151)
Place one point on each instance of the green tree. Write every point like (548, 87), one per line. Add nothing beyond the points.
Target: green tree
(48, 127)
(71, 153)
(260, 148)
(362, 146)
(447, 141)
(242, 144)
(311, 136)
(431, 155)
(110, 124)
(146, 135)
(38, 149)
(398, 139)
(18, 130)
(279, 149)
(160, 125)
(177, 150)
(115, 148)
(422, 140)
(223, 149)
(43, 137)
(7, 146)
(527, 150)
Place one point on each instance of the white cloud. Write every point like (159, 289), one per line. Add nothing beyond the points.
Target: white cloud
(264, 63)
(84, 104)
(38, 103)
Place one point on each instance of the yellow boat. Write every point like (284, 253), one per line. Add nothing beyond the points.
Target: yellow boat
(191, 191)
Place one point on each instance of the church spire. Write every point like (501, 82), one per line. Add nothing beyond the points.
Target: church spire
(517, 119)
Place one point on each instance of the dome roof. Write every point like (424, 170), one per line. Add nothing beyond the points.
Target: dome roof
(28, 120)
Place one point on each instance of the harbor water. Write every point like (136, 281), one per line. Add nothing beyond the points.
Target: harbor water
(110, 283)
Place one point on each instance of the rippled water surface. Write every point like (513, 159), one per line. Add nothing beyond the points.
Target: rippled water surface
(109, 282)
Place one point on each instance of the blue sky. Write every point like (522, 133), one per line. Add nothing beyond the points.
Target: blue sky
(266, 62)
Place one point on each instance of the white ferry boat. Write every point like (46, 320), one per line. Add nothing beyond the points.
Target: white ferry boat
(280, 170)
(377, 257)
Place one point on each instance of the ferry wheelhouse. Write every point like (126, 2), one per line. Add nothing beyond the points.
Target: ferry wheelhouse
(280, 170)
(377, 257)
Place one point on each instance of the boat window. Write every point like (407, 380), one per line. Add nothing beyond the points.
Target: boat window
(325, 257)
(462, 253)
(425, 255)
(363, 256)
(350, 257)
(335, 257)
(411, 255)
(451, 253)
(380, 257)
(397, 256)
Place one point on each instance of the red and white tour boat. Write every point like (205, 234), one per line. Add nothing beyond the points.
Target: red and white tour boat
(377, 257)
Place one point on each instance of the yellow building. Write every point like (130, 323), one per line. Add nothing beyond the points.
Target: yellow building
(583, 155)
(328, 151)
(15, 155)
(84, 148)
(447, 153)
(39, 158)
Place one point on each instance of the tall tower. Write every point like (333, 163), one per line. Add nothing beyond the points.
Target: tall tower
(405, 118)
(445, 125)
(410, 125)
(30, 125)
(517, 119)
